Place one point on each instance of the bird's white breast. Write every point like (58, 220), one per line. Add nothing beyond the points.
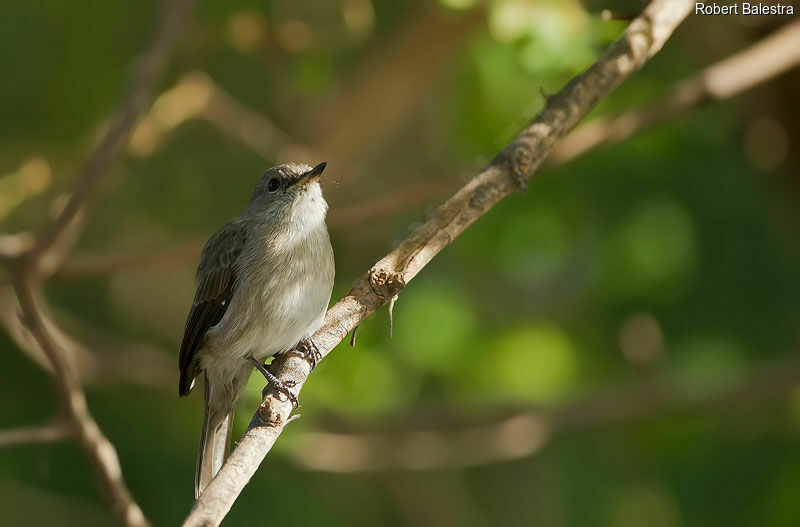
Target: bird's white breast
(284, 280)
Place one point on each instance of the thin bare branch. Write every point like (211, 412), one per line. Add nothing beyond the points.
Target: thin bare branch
(36, 434)
(26, 267)
(147, 73)
(97, 356)
(82, 265)
(504, 175)
(96, 446)
(79, 358)
(197, 96)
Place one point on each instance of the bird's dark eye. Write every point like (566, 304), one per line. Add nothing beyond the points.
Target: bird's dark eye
(273, 184)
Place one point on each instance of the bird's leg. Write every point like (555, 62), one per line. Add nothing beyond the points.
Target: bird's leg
(309, 351)
(281, 386)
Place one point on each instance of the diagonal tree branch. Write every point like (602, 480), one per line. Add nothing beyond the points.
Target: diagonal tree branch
(508, 172)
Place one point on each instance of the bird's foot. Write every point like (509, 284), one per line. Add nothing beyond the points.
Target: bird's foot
(309, 351)
(279, 385)
(283, 387)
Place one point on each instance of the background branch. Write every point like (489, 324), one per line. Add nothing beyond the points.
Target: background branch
(98, 358)
(525, 433)
(25, 268)
(97, 447)
(147, 72)
(36, 434)
(506, 174)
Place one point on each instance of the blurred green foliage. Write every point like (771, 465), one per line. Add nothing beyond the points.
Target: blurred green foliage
(673, 238)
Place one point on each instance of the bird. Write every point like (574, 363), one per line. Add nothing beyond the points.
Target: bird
(264, 282)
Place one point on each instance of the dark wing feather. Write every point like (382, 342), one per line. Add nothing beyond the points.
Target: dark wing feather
(216, 280)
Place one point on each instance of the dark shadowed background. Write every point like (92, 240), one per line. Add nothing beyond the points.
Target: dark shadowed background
(615, 347)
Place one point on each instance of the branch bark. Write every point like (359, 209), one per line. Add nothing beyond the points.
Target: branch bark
(508, 172)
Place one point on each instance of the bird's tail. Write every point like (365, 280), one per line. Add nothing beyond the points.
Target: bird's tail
(214, 442)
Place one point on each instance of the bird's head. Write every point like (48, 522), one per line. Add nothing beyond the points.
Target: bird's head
(290, 191)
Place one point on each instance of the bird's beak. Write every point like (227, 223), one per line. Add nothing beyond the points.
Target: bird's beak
(313, 174)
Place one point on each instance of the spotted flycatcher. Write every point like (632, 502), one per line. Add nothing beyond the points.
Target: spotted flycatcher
(263, 285)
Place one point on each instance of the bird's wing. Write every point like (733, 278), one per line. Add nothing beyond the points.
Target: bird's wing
(216, 280)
